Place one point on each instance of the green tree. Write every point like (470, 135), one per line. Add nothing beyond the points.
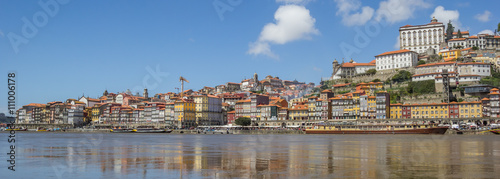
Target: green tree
(475, 48)
(459, 34)
(243, 121)
(421, 62)
(449, 31)
(402, 76)
(376, 80)
(372, 71)
(498, 28)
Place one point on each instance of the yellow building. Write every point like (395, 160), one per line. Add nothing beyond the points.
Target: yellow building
(185, 113)
(396, 111)
(356, 104)
(201, 108)
(370, 87)
(372, 107)
(298, 112)
(419, 111)
(451, 54)
(470, 109)
(438, 110)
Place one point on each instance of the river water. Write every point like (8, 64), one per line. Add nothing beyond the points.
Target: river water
(108, 155)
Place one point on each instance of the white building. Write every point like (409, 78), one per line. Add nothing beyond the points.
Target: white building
(458, 42)
(345, 70)
(467, 71)
(396, 59)
(75, 113)
(421, 37)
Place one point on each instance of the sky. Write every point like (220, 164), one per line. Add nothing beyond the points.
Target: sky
(62, 49)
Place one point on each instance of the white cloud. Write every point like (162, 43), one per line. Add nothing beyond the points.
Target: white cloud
(485, 17)
(345, 7)
(317, 69)
(396, 45)
(399, 10)
(487, 31)
(444, 16)
(293, 1)
(293, 22)
(261, 48)
(1, 33)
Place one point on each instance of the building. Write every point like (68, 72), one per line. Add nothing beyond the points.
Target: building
(369, 88)
(396, 111)
(185, 113)
(230, 117)
(419, 38)
(464, 34)
(470, 109)
(242, 109)
(383, 102)
(491, 105)
(299, 112)
(256, 100)
(396, 59)
(350, 69)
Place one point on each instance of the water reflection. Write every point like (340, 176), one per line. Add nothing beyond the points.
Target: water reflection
(259, 156)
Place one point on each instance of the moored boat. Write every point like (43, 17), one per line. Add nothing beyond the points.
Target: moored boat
(495, 131)
(377, 129)
(16, 129)
(122, 130)
(150, 130)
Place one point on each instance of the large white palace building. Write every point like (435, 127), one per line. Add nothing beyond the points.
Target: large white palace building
(419, 38)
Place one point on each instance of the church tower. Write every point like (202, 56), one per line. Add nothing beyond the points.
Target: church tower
(145, 94)
(105, 93)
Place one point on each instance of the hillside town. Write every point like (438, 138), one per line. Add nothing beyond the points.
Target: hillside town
(438, 73)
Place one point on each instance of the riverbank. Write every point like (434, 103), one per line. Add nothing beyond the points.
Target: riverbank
(237, 132)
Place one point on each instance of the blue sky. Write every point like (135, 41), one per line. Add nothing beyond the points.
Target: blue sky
(85, 47)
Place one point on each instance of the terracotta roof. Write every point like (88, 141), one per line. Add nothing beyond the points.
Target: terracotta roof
(485, 99)
(473, 37)
(463, 33)
(457, 39)
(341, 85)
(373, 62)
(394, 52)
(348, 64)
(407, 26)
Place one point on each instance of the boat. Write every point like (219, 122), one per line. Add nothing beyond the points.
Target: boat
(42, 129)
(495, 131)
(122, 130)
(378, 129)
(151, 130)
(16, 129)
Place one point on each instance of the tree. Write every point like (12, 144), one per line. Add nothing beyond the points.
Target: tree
(421, 62)
(449, 31)
(403, 75)
(372, 71)
(243, 121)
(475, 48)
(376, 80)
(498, 28)
(459, 34)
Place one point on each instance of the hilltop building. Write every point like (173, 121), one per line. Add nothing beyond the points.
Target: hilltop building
(419, 38)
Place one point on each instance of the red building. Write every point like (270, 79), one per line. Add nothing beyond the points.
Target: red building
(453, 110)
(406, 110)
(230, 117)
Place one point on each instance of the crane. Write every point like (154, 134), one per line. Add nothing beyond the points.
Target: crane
(182, 80)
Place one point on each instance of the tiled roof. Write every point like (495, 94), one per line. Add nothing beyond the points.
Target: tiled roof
(394, 52)
(457, 39)
(348, 64)
(463, 33)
